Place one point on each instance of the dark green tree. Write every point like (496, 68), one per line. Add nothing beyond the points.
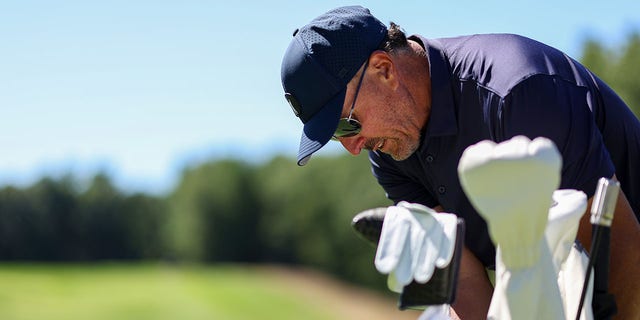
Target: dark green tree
(214, 215)
(618, 67)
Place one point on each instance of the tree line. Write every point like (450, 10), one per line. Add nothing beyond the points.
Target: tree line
(221, 211)
(227, 210)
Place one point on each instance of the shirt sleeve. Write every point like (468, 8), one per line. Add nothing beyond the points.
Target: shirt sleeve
(550, 107)
(398, 182)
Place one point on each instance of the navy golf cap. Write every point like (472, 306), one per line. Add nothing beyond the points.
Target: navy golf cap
(319, 63)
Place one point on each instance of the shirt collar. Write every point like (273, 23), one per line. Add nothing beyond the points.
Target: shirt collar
(442, 119)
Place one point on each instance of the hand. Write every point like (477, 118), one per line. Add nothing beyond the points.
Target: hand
(414, 240)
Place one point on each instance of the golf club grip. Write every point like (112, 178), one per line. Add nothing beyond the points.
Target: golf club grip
(441, 288)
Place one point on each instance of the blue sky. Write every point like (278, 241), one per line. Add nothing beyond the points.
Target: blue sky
(141, 89)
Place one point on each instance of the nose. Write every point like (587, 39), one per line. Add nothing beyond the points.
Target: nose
(353, 144)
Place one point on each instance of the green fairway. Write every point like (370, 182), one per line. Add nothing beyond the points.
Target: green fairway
(43, 292)
(163, 291)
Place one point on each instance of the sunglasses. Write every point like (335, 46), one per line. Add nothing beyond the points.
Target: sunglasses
(349, 127)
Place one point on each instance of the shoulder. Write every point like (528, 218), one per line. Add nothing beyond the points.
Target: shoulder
(500, 62)
(501, 47)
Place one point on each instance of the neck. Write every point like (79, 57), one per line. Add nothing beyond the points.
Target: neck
(420, 79)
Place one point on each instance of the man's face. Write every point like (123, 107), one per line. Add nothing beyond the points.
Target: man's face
(385, 111)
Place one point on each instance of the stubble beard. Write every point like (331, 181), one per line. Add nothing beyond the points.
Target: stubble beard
(407, 133)
(405, 148)
(407, 140)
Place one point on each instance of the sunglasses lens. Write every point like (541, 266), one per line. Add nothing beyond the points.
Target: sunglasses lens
(346, 128)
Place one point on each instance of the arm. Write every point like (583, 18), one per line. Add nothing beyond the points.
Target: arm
(624, 277)
(474, 290)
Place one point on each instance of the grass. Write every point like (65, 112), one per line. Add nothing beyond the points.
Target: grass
(149, 291)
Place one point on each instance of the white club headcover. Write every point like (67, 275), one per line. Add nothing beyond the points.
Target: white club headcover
(414, 240)
(564, 218)
(570, 281)
(511, 185)
(569, 260)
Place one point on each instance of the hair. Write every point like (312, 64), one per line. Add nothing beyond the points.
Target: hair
(395, 40)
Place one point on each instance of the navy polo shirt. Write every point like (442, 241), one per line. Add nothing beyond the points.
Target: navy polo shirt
(499, 86)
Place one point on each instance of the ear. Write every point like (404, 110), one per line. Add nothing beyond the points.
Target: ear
(384, 69)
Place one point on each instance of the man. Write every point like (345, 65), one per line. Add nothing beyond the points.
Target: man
(417, 103)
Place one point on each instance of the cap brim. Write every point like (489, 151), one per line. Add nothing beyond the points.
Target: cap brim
(320, 128)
